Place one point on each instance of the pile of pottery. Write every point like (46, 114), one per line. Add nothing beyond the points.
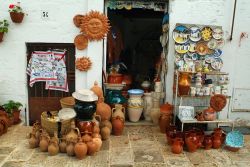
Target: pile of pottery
(194, 139)
(71, 143)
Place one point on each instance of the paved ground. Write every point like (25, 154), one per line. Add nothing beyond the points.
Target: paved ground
(140, 146)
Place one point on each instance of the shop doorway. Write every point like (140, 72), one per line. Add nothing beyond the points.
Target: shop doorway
(133, 42)
(41, 99)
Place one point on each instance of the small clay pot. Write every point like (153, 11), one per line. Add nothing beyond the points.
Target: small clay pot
(118, 125)
(63, 145)
(177, 146)
(98, 143)
(115, 78)
(70, 149)
(80, 149)
(208, 142)
(53, 148)
(105, 133)
(92, 148)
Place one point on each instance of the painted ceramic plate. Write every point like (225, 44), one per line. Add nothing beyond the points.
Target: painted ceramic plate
(209, 58)
(217, 63)
(181, 34)
(194, 56)
(220, 43)
(235, 139)
(217, 53)
(202, 48)
(179, 64)
(178, 57)
(182, 48)
(195, 34)
(212, 44)
(206, 33)
(217, 33)
(186, 57)
(192, 47)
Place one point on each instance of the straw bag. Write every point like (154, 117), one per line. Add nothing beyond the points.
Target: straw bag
(51, 124)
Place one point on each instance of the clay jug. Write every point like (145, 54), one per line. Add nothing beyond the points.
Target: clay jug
(63, 145)
(80, 149)
(103, 110)
(92, 148)
(96, 135)
(170, 134)
(96, 129)
(97, 119)
(208, 142)
(44, 142)
(97, 90)
(105, 133)
(217, 142)
(184, 83)
(33, 141)
(98, 143)
(218, 132)
(70, 148)
(177, 146)
(73, 134)
(191, 141)
(165, 118)
(209, 114)
(53, 148)
(107, 124)
(55, 138)
(119, 110)
(118, 125)
(85, 126)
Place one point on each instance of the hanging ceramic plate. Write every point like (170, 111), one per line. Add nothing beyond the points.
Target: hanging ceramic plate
(206, 33)
(178, 57)
(202, 48)
(209, 58)
(220, 43)
(182, 48)
(181, 34)
(212, 44)
(192, 47)
(186, 57)
(217, 63)
(195, 34)
(217, 53)
(194, 56)
(217, 33)
(179, 64)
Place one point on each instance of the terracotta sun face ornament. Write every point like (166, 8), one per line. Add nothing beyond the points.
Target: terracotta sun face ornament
(77, 20)
(95, 25)
(81, 41)
(83, 63)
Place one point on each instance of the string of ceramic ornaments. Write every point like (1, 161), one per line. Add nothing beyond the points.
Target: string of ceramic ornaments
(94, 26)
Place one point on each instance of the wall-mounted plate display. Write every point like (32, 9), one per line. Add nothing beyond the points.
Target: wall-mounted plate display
(202, 48)
(192, 47)
(195, 34)
(212, 44)
(206, 33)
(182, 48)
(217, 63)
(181, 34)
(217, 33)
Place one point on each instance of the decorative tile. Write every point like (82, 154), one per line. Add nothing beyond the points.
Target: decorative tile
(6, 150)
(122, 156)
(119, 141)
(148, 154)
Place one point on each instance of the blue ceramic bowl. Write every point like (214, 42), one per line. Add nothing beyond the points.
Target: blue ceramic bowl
(235, 139)
(135, 91)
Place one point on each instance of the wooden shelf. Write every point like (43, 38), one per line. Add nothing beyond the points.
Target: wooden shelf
(207, 73)
(201, 122)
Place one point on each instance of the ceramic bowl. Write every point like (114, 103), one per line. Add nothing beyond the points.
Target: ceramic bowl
(234, 139)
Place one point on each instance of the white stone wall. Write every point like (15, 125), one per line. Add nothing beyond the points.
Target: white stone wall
(59, 28)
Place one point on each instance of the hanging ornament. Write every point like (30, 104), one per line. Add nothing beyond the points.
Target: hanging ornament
(81, 41)
(77, 20)
(95, 25)
(83, 63)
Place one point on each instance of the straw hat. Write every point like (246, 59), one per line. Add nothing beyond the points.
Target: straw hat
(81, 41)
(85, 95)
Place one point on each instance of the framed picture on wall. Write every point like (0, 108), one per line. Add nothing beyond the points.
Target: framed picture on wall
(186, 113)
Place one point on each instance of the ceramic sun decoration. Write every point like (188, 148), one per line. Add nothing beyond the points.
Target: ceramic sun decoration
(83, 64)
(181, 34)
(95, 25)
(77, 20)
(206, 33)
(81, 41)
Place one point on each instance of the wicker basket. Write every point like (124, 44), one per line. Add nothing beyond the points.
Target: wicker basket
(67, 102)
(52, 126)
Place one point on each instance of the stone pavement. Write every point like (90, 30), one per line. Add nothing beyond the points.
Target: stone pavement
(140, 146)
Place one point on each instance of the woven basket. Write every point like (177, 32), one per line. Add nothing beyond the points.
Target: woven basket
(52, 126)
(67, 102)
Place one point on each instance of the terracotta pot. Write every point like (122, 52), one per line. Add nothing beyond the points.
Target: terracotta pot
(98, 143)
(16, 17)
(164, 121)
(85, 126)
(1, 36)
(177, 146)
(63, 145)
(127, 78)
(16, 115)
(73, 134)
(103, 109)
(118, 111)
(44, 143)
(192, 142)
(218, 132)
(106, 123)
(80, 149)
(117, 125)
(170, 133)
(86, 137)
(208, 142)
(92, 147)
(70, 149)
(53, 148)
(105, 133)
(209, 114)
(217, 142)
(97, 90)
(115, 78)
(184, 83)
(33, 142)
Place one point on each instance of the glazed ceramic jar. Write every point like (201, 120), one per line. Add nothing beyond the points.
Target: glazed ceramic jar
(85, 104)
(114, 97)
(135, 104)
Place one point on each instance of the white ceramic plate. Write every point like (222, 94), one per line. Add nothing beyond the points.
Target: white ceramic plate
(212, 44)
(217, 63)
(195, 34)
(217, 33)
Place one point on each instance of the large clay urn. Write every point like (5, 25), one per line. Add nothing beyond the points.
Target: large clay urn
(191, 141)
(103, 109)
(177, 146)
(117, 125)
(80, 149)
(165, 118)
(184, 83)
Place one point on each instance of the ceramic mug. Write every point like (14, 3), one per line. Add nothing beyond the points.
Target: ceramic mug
(217, 90)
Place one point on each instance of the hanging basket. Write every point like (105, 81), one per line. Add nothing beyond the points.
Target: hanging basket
(1, 36)
(16, 17)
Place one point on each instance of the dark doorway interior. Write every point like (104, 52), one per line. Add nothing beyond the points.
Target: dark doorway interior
(41, 99)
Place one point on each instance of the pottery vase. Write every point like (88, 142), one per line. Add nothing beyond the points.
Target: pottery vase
(191, 141)
(44, 143)
(97, 90)
(80, 149)
(170, 134)
(118, 111)
(92, 148)
(209, 114)
(165, 118)
(148, 105)
(155, 115)
(73, 134)
(117, 125)
(63, 145)
(33, 141)
(135, 107)
(53, 148)
(184, 83)
(177, 146)
(16, 17)
(70, 148)
(105, 132)
(208, 142)
(85, 126)
(217, 142)
(98, 143)
(84, 110)
(103, 109)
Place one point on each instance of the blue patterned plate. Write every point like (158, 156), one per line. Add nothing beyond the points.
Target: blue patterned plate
(234, 139)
